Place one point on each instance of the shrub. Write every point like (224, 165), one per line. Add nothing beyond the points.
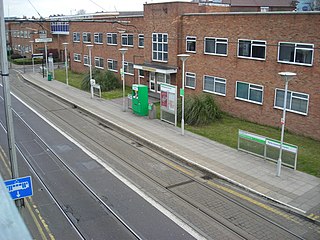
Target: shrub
(107, 80)
(200, 110)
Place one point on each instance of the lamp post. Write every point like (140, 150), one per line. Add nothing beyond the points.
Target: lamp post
(46, 55)
(32, 55)
(123, 51)
(90, 68)
(183, 58)
(66, 61)
(286, 76)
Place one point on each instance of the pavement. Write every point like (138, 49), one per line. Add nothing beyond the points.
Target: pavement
(296, 190)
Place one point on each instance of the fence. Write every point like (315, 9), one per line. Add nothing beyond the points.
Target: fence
(267, 148)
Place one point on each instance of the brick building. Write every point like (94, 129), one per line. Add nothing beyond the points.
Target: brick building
(234, 56)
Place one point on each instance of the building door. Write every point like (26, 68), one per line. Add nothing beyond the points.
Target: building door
(152, 81)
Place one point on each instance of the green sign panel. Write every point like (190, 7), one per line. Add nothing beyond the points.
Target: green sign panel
(181, 92)
(285, 146)
(252, 137)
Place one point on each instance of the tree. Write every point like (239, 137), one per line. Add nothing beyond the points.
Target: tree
(81, 12)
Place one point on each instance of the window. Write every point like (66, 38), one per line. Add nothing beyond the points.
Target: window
(128, 68)
(141, 40)
(296, 102)
(191, 44)
(216, 46)
(252, 49)
(141, 73)
(86, 60)
(113, 65)
(98, 38)
(249, 92)
(214, 85)
(264, 9)
(77, 57)
(98, 62)
(127, 40)
(112, 39)
(160, 47)
(86, 37)
(296, 53)
(190, 80)
(76, 37)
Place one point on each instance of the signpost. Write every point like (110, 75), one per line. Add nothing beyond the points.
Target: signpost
(19, 187)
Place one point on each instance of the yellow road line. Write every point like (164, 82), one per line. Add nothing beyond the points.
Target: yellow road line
(43, 236)
(242, 196)
(253, 201)
(38, 225)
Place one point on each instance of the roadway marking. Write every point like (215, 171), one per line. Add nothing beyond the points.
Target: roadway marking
(142, 194)
(3, 157)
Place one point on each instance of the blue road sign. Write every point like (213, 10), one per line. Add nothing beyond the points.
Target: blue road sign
(19, 187)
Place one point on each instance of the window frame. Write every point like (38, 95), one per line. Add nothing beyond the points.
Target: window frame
(74, 57)
(140, 36)
(163, 44)
(214, 82)
(295, 53)
(191, 39)
(225, 41)
(101, 60)
(252, 45)
(114, 66)
(85, 37)
(84, 61)
(290, 102)
(126, 66)
(77, 34)
(111, 36)
(126, 36)
(250, 88)
(195, 79)
(98, 36)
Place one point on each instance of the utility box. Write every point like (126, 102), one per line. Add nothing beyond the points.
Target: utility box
(140, 99)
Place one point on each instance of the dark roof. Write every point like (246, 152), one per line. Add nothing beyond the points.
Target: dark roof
(259, 3)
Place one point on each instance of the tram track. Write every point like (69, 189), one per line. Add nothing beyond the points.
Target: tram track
(175, 187)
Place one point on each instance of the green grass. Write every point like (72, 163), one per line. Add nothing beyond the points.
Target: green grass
(225, 130)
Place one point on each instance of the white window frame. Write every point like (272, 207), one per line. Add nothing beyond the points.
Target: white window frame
(86, 59)
(139, 73)
(191, 39)
(99, 60)
(215, 79)
(290, 101)
(110, 36)
(217, 41)
(191, 75)
(77, 35)
(254, 43)
(163, 44)
(140, 36)
(126, 36)
(85, 37)
(76, 57)
(126, 66)
(112, 62)
(251, 86)
(295, 53)
(98, 38)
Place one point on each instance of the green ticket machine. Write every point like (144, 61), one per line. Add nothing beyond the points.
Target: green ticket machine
(140, 99)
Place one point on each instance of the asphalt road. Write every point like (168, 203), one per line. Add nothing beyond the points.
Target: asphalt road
(200, 205)
(47, 152)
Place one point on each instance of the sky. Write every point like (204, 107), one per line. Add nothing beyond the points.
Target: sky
(19, 8)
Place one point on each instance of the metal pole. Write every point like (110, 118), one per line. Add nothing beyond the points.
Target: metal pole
(46, 53)
(32, 56)
(7, 101)
(66, 63)
(182, 111)
(90, 69)
(123, 84)
(283, 120)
